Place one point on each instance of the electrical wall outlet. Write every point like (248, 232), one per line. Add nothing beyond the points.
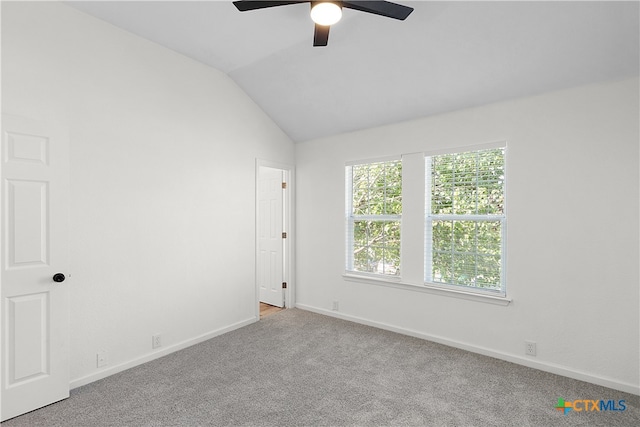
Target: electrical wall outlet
(156, 341)
(102, 359)
(335, 306)
(529, 348)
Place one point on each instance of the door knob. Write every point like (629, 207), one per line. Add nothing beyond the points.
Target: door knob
(58, 277)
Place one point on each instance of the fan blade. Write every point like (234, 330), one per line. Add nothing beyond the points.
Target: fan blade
(321, 35)
(384, 8)
(244, 5)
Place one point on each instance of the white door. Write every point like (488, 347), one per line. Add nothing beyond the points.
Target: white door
(270, 235)
(34, 308)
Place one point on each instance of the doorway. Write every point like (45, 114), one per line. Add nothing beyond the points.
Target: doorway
(268, 310)
(274, 233)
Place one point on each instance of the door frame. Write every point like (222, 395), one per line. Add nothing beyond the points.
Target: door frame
(288, 213)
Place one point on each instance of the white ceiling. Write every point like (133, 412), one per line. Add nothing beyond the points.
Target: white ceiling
(375, 71)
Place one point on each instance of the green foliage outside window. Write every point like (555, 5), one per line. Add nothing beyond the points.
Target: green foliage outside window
(467, 212)
(465, 218)
(376, 207)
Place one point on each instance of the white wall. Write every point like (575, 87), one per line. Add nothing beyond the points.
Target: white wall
(163, 156)
(572, 236)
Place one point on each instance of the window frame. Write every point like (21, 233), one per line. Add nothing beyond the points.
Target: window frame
(350, 220)
(430, 218)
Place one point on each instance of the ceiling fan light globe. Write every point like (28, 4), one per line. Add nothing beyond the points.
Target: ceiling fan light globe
(326, 13)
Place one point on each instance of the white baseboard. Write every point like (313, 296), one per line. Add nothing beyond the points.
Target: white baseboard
(78, 382)
(542, 366)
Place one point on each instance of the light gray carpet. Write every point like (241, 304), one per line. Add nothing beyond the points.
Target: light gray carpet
(297, 368)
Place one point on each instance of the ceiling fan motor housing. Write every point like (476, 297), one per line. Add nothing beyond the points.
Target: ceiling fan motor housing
(321, 31)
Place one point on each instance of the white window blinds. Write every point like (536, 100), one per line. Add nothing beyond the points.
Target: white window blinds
(465, 219)
(373, 217)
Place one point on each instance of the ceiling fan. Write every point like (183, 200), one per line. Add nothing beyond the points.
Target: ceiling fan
(327, 13)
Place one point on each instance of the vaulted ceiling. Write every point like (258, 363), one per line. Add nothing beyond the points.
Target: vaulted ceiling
(446, 56)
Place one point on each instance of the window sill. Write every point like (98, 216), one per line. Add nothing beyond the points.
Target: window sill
(397, 283)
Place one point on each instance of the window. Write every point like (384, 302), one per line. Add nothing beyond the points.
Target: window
(465, 220)
(373, 215)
